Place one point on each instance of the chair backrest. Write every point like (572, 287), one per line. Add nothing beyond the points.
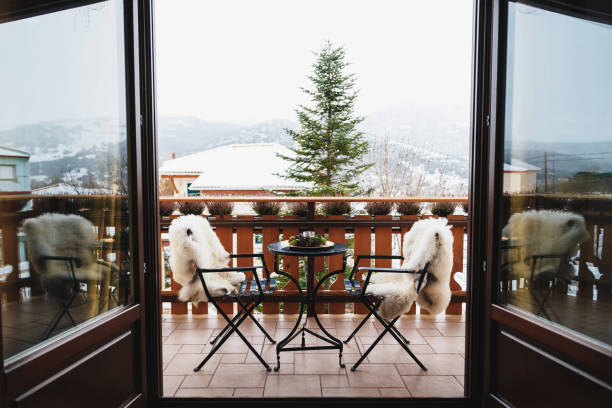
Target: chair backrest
(59, 235)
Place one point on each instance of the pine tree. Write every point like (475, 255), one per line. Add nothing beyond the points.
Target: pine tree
(330, 150)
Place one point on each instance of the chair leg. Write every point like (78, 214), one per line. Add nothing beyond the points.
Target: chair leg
(227, 326)
(364, 355)
(257, 324)
(64, 310)
(389, 328)
(234, 328)
(357, 328)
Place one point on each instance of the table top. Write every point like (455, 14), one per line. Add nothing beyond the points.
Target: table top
(279, 248)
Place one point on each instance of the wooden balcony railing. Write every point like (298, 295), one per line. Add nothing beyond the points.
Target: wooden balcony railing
(369, 234)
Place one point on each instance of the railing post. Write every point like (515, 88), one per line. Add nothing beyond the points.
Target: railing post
(10, 249)
(363, 246)
(403, 232)
(270, 235)
(226, 236)
(455, 308)
(291, 265)
(337, 234)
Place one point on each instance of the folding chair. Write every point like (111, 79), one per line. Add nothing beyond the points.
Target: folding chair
(355, 287)
(249, 295)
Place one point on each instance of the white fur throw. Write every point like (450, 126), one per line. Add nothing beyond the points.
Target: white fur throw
(544, 232)
(61, 235)
(430, 241)
(193, 242)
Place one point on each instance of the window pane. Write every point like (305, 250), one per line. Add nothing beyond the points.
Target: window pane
(64, 217)
(557, 226)
(7, 172)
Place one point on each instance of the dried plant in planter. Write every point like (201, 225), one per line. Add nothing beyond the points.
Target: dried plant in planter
(464, 207)
(336, 208)
(57, 205)
(166, 208)
(190, 207)
(298, 208)
(220, 207)
(379, 207)
(408, 208)
(266, 207)
(443, 209)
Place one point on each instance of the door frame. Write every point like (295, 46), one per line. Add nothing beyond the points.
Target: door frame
(48, 363)
(572, 350)
(477, 229)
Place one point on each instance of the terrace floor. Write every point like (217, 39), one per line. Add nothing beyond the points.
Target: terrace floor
(438, 341)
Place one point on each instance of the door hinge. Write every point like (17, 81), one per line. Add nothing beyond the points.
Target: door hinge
(144, 267)
(488, 120)
(484, 266)
(140, 120)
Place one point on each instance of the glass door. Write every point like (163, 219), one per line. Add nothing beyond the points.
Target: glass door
(69, 269)
(551, 260)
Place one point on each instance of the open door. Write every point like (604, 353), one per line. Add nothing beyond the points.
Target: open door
(73, 259)
(548, 262)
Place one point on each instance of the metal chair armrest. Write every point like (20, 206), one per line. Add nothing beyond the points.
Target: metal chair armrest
(358, 259)
(259, 255)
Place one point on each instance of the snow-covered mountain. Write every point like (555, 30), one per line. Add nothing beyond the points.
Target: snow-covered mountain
(86, 147)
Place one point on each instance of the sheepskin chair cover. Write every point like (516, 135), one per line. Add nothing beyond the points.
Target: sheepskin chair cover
(430, 241)
(61, 235)
(544, 232)
(193, 242)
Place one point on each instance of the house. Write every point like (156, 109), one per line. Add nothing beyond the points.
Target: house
(520, 177)
(14, 169)
(236, 169)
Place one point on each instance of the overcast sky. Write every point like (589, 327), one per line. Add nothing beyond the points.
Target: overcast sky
(244, 60)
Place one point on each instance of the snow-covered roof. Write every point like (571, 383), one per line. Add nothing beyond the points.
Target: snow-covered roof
(63, 188)
(12, 152)
(235, 167)
(519, 165)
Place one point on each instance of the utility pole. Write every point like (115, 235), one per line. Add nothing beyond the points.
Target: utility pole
(545, 174)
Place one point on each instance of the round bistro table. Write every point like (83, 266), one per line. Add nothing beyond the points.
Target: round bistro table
(307, 299)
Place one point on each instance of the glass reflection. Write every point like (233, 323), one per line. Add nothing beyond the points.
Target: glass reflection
(64, 220)
(556, 252)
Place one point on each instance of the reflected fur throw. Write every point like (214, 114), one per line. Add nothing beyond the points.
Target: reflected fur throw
(61, 235)
(193, 242)
(430, 241)
(544, 232)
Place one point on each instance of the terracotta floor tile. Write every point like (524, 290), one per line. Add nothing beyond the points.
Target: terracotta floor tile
(317, 364)
(196, 381)
(233, 358)
(351, 392)
(394, 392)
(451, 328)
(334, 381)
(189, 336)
(443, 364)
(191, 349)
(239, 376)
(205, 392)
(433, 386)
(248, 393)
(374, 375)
(171, 384)
(383, 353)
(429, 332)
(410, 369)
(447, 344)
(292, 386)
(183, 364)
(461, 380)
(168, 351)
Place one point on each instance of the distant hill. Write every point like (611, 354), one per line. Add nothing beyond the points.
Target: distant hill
(83, 147)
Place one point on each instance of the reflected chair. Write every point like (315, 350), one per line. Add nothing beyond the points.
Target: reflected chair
(358, 288)
(250, 294)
